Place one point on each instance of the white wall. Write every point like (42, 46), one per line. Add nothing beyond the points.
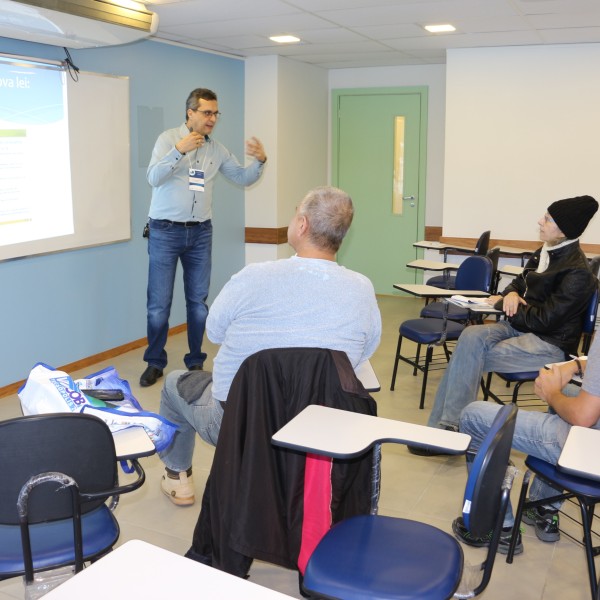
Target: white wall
(522, 130)
(287, 102)
(432, 76)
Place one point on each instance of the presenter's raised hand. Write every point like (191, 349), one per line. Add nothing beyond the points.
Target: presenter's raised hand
(192, 141)
(255, 148)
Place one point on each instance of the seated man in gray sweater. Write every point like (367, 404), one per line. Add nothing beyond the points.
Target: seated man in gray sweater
(307, 300)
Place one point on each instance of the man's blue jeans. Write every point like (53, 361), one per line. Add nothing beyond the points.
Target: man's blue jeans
(203, 416)
(484, 348)
(168, 243)
(542, 435)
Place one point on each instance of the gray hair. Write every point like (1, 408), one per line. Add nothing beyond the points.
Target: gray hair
(329, 212)
(193, 100)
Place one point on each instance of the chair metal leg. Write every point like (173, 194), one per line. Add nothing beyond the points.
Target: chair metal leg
(396, 363)
(586, 522)
(516, 389)
(425, 373)
(486, 386)
(515, 531)
(417, 358)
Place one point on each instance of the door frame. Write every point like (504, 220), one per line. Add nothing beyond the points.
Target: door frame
(423, 93)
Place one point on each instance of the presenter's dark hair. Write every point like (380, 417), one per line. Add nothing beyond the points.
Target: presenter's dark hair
(195, 96)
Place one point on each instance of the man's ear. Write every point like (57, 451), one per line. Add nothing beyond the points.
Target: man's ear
(303, 225)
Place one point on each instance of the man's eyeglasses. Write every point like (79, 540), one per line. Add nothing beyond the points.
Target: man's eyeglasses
(208, 113)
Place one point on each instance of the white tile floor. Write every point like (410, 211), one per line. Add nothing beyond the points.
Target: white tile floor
(426, 489)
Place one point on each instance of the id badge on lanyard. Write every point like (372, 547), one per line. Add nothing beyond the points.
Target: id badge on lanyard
(196, 180)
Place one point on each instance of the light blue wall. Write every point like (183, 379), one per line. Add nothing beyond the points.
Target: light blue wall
(63, 307)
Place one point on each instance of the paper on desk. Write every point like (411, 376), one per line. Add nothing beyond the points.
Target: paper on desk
(464, 301)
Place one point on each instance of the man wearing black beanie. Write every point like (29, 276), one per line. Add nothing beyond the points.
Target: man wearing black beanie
(544, 308)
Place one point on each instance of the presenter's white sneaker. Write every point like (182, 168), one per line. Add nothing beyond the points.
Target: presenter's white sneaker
(180, 491)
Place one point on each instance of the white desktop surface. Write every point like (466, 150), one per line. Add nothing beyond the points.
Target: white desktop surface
(366, 375)
(139, 570)
(343, 434)
(432, 265)
(580, 453)
(432, 245)
(423, 290)
(133, 442)
(512, 251)
(510, 270)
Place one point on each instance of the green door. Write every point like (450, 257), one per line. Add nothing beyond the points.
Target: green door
(368, 142)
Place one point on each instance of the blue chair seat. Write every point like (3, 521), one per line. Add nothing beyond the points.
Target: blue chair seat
(444, 282)
(52, 542)
(399, 551)
(572, 483)
(428, 331)
(435, 310)
(516, 377)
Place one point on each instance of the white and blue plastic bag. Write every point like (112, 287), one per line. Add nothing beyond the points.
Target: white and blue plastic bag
(49, 390)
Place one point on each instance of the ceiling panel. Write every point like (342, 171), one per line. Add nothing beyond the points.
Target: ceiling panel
(353, 33)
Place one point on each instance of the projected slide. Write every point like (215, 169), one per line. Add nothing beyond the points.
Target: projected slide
(35, 177)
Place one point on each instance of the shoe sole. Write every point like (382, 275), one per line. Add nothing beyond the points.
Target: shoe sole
(504, 549)
(548, 538)
(179, 501)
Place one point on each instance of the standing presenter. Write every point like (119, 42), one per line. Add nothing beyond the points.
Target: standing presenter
(184, 163)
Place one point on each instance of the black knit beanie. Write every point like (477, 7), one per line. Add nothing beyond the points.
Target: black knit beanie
(572, 215)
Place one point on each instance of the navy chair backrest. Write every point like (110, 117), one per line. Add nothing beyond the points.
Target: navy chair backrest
(483, 492)
(475, 273)
(595, 265)
(483, 244)
(77, 445)
(592, 311)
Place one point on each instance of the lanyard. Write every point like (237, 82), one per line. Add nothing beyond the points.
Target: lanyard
(196, 159)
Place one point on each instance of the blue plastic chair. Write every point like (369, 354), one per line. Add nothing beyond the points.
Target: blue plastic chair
(448, 282)
(56, 472)
(475, 273)
(429, 332)
(381, 557)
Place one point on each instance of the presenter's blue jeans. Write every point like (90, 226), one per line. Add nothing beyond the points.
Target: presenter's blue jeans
(485, 348)
(169, 243)
(538, 434)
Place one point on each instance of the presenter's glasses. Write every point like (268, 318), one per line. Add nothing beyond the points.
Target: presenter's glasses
(209, 113)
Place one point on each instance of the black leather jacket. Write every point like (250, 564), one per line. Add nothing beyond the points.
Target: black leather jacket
(557, 299)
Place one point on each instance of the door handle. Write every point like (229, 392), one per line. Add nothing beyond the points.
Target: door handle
(411, 198)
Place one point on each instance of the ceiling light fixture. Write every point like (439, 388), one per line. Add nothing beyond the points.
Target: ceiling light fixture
(284, 39)
(444, 28)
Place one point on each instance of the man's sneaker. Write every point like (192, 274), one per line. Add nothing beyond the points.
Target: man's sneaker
(545, 521)
(462, 534)
(180, 490)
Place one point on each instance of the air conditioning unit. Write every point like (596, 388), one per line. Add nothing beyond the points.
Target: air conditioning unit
(76, 23)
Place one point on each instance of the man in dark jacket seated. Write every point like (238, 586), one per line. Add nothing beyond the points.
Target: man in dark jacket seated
(544, 308)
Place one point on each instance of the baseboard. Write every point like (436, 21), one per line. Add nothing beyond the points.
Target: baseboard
(12, 388)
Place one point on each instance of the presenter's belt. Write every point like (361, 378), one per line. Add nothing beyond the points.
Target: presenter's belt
(179, 223)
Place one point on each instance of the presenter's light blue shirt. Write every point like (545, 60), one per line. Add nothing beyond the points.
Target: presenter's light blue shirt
(168, 175)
